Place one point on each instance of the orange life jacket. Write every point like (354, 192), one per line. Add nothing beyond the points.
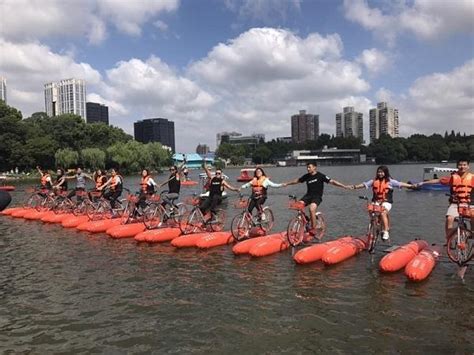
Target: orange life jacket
(44, 180)
(257, 186)
(461, 187)
(381, 190)
(144, 187)
(116, 183)
(99, 181)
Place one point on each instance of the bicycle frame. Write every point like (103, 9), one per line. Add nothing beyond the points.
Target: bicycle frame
(460, 243)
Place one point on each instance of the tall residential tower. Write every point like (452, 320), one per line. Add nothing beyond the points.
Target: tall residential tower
(383, 120)
(350, 123)
(304, 127)
(65, 96)
(3, 89)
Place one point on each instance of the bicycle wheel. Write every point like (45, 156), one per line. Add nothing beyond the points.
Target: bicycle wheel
(79, 208)
(295, 231)
(193, 223)
(320, 229)
(103, 210)
(180, 211)
(217, 221)
(127, 214)
(460, 246)
(372, 236)
(267, 219)
(32, 201)
(240, 226)
(152, 217)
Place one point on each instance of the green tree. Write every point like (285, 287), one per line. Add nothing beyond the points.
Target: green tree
(93, 158)
(388, 150)
(41, 151)
(261, 155)
(66, 158)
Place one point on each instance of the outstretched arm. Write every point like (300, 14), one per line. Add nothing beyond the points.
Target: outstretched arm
(427, 182)
(39, 170)
(292, 182)
(357, 186)
(230, 187)
(408, 186)
(338, 184)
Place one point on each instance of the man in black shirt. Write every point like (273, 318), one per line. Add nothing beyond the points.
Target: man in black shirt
(315, 185)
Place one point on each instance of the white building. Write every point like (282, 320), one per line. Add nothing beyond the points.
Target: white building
(383, 120)
(3, 89)
(65, 96)
(350, 123)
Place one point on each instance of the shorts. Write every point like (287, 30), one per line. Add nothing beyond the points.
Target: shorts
(308, 199)
(386, 205)
(452, 210)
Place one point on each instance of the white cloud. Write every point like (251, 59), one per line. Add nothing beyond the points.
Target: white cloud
(28, 20)
(374, 61)
(440, 102)
(384, 94)
(162, 26)
(29, 66)
(426, 19)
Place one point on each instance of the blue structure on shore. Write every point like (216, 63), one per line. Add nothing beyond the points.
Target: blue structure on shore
(193, 160)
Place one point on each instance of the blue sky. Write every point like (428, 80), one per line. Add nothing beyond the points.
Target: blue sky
(246, 65)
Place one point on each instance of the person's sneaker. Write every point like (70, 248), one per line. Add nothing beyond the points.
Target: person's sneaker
(263, 217)
(385, 235)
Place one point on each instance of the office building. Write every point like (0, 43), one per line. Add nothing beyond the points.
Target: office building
(3, 89)
(97, 113)
(226, 136)
(383, 120)
(65, 96)
(202, 149)
(304, 127)
(155, 130)
(349, 123)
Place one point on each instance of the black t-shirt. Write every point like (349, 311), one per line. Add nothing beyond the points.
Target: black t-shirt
(215, 187)
(315, 183)
(174, 185)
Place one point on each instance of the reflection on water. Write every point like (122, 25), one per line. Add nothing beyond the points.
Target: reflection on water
(67, 291)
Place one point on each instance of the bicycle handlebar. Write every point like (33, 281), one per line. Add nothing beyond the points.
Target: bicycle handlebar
(292, 196)
(364, 198)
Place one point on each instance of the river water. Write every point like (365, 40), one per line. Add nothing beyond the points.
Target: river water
(64, 291)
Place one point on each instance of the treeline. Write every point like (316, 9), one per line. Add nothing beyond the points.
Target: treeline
(386, 150)
(68, 141)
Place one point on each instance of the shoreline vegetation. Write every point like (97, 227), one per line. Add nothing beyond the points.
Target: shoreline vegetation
(67, 141)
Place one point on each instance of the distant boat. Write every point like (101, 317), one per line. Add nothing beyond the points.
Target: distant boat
(246, 175)
(434, 172)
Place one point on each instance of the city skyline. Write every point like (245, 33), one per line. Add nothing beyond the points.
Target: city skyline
(247, 65)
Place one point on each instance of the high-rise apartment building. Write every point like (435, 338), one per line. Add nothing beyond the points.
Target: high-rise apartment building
(3, 89)
(304, 127)
(97, 113)
(350, 123)
(383, 120)
(155, 130)
(65, 96)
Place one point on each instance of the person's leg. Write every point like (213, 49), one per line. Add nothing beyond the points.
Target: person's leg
(252, 205)
(205, 204)
(216, 201)
(71, 194)
(451, 214)
(313, 207)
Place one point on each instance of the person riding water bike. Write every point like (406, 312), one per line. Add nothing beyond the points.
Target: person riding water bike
(60, 184)
(315, 187)
(115, 185)
(99, 179)
(174, 186)
(81, 178)
(217, 184)
(46, 183)
(259, 184)
(382, 187)
(461, 184)
(147, 188)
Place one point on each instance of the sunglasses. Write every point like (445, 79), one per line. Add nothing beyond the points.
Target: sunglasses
(218, 173)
